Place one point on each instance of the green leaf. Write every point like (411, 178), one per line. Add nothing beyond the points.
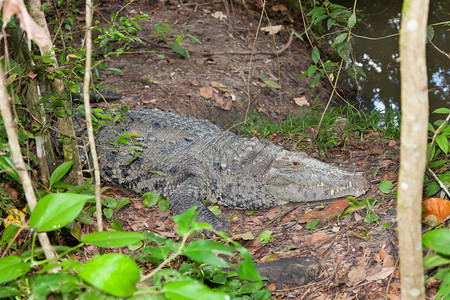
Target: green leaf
(116, 226)
(266, 237)
(185, 220)
(7, 164)
(179, 50)
(430, 32)
(112, 239)
(246, 269)
(330, 22)
(108, 212)
(204, 251)
(160, 173)
(351, 21)
(163, 205)
(340, 38)
(59, 172)
(112, 273)
(432, 189)
(343, 50)
(109, 202)
(8, 292)
(115, 70)
(360, 71)
(151, 199)
(311, 70)
(122, 203)
(84, 218)
(442, 110)
(385, 186)
(191, 289)
(315, 55)
(312, 224)
(12, 267)
(442, 142)
(435, 260)
(438, 240)
(272, 85)
(56, 210)
(315, 80)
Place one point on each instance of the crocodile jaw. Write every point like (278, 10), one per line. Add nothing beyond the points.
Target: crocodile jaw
(296, 177)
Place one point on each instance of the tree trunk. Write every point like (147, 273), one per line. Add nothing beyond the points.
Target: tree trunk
(64, 121)
(414, 100)
(44, 148)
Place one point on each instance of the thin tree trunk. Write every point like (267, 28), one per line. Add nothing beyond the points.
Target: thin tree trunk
(13, 141)
(64, 122)
(87, 107)
(44, 148)
(414, 99)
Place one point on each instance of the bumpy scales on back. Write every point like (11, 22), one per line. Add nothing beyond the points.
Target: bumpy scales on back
(189, 160)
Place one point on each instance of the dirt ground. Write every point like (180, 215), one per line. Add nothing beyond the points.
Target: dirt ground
(220, 82)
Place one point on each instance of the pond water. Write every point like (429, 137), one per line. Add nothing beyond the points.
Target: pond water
(379, 58)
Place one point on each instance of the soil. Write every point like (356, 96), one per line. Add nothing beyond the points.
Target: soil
(220, 82)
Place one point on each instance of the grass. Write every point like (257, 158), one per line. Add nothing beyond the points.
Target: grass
(340, 124)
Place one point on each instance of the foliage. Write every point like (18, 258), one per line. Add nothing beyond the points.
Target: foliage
(338, 126)
(118, 275)
(340, 20)
(437, 151)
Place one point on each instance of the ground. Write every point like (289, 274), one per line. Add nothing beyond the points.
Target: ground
(358, 257)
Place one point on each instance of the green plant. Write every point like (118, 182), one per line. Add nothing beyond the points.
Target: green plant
(437, 156)
(201, 276)
(439, 241)
(161, 31)
(121, 30)
(339, 125)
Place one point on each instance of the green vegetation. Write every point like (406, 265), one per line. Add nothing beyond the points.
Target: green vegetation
(339, 125)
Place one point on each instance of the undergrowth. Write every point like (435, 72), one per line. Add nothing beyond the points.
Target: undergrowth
(339, 125)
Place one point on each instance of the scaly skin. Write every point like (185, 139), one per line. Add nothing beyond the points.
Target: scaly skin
(201, 161)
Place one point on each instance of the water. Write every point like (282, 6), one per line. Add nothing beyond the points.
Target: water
(379, 58)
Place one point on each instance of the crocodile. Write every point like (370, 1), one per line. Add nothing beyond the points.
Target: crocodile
(190, 160)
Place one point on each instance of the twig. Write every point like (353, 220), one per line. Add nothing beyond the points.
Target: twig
(439, 182)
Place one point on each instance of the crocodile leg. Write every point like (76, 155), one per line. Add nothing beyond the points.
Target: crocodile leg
(189, 194)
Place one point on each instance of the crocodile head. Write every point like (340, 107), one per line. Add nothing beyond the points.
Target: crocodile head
(296, 177)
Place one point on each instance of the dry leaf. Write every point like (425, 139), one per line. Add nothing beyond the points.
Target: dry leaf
(17, 7)
(206, 92)
(316, 238)
(334, 209)
(223, 103)
(219, 15)
(385, 272)
(15, 217)
(272, 30)
(301, 101)
(279, 8)
(436, 209)
(356, 275)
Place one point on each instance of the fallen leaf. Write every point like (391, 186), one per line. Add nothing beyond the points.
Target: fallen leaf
(223, 103)
(436, 209)
(385, 272)
(206, 92)
(219, 15)
(279, 8)
(356, 275)
(194, 82)
(248, 236)
(301, 101)
(331, 212)
(316, 238)
(272, 287)
(15, 217)
(272, 30)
